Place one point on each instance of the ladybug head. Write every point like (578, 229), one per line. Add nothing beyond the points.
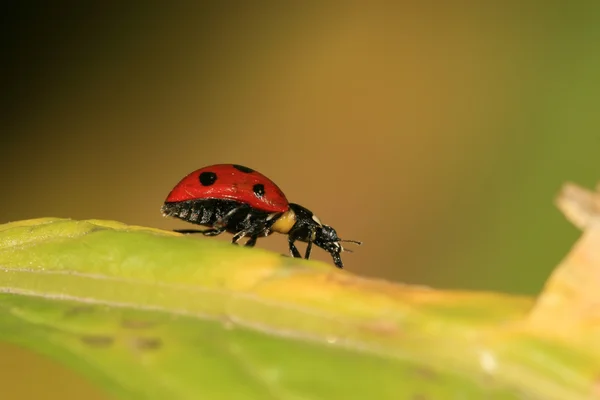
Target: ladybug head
(308, 228)
(326, 238)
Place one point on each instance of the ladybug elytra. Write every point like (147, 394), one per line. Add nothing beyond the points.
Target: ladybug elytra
(239, 200)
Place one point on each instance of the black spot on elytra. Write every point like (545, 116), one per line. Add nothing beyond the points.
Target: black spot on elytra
(147, 343)
(137, 324)
(207, 178)
(259, 189)
(241, 168)
(97, 340)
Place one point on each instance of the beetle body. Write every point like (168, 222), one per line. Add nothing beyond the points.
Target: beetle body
(238, 200)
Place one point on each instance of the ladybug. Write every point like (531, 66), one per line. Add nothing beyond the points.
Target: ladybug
(239, 200)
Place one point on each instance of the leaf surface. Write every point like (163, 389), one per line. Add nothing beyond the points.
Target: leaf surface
(150, 314)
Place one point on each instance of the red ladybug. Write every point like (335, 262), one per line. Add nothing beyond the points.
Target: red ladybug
(236, 199)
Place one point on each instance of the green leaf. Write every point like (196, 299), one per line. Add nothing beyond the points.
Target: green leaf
(150, 314)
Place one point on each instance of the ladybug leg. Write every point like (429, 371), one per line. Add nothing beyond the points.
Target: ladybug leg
(206, 232)
(252, 241)
(311, 237)
(308, 249)
(213, 231)
(223, 222)
(251, 227)
(293, 249)
(236, 238)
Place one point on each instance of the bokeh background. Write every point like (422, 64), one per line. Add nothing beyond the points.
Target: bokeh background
(437, 134)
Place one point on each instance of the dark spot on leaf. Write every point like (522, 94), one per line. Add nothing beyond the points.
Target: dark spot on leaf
(226, 322)
(425, 373)
(98, 340)
(346, 281)
(137, 324)
(78, 310)
(382, 327)
(241, 168)
(94, 229)
(147, 343)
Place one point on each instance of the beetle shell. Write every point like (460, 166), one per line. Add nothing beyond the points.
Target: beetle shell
(236, 199)
(230, 182)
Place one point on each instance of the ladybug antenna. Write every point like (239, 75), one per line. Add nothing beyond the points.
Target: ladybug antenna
(350, 241)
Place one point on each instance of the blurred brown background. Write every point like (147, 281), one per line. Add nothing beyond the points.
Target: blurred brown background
(437, 135)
